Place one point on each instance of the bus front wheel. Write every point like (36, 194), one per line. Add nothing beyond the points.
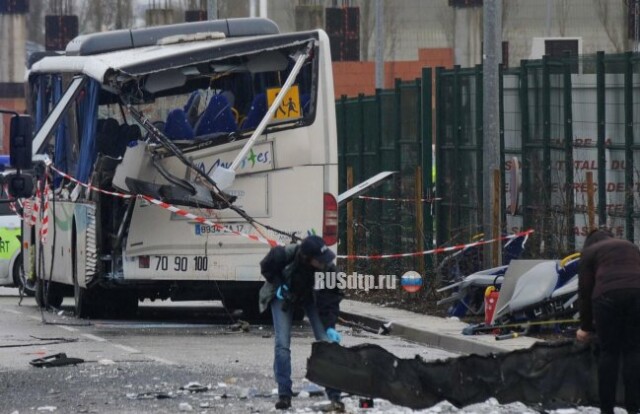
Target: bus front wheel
(84, 308)
(28, 287)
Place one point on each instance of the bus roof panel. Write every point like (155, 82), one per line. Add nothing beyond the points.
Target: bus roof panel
(98, 43)
(150, 59)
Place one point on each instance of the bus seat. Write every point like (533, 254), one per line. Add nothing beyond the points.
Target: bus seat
(177, 126)
(192, 107)
(106, 136)
(256, 112)
(305, 101)
(217, 117)
(128, 133)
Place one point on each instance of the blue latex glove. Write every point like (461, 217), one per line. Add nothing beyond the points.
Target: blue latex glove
(282, 291)
(333, 335)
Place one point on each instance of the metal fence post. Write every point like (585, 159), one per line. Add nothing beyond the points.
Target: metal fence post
(378, 209)
(479, 132)
(440, 222)
(628, 144)
(602, 160)
(503, 200)
(397, 234)
(361, 171)
(342, 133)
(568, 153)
(546, 154)
(342, 167)
(361, 139)
(526, 164)
(427, 163)
(457, 136)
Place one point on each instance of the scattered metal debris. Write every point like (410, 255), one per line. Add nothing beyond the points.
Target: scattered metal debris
(56, 360)
(150, 395)
(240, 326)
(194, 387)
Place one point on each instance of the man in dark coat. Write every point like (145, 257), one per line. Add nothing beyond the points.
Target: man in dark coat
(609, 294)
(290, 273)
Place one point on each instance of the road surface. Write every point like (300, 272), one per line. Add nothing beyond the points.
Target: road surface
(138, 365)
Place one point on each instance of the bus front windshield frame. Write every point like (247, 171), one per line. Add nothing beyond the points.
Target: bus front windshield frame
(197, 103)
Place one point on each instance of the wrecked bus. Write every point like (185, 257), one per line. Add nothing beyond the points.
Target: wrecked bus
(203, 143)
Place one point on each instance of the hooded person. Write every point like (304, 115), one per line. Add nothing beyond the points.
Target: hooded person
(609, 296)
(290, 273)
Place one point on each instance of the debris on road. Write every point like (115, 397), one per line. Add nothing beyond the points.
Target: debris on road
(183, 406)
(240, 326)
(150, 395)
(56, 360)
(194, 387)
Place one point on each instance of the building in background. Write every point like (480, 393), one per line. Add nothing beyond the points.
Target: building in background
(13, 40)
(417, 33)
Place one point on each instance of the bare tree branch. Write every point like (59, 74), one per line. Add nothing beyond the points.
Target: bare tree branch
(611, 28)
(562, 12)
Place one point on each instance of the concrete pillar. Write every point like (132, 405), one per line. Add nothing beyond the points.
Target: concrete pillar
(13, 35)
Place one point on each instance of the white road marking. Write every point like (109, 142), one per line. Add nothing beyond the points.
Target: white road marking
(35, 318)
(127, 349)
(94, 338)
(67, 328)
(161, 360)
(15, 312)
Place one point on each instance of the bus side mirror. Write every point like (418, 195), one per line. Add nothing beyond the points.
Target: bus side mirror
(21, 137)
(19, 185)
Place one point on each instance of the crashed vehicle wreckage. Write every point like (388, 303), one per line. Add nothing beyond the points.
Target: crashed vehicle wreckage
(218, 119)
(526, 290)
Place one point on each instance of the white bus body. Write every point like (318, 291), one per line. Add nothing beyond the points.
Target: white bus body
(112, 251)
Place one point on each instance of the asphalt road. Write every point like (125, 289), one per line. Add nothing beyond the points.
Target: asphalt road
(139, 365)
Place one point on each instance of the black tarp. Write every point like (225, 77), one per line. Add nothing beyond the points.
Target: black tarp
(546, 375)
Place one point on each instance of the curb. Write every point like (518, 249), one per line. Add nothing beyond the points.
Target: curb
(458, 343)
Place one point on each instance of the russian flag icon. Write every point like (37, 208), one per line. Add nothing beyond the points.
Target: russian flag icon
(411, 281)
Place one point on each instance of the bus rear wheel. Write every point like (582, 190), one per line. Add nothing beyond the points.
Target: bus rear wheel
(48, 294)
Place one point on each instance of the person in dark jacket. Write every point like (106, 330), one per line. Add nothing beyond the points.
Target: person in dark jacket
(609, 294)
(290, 274)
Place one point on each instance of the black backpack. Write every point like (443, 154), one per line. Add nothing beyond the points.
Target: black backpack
(272, 265)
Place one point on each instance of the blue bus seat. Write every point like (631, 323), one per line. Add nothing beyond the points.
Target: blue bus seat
(192, 107)
(256, 112)
(217, 117)
(177, 126)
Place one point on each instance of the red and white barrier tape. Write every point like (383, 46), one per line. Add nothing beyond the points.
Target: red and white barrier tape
(426, 200)
(173, 209)
(89, 186)
(436, 250)
(203, 220)
(44, 228)
(35, 206)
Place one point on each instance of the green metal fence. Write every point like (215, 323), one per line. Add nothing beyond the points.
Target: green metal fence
(564, 123)
(384, 132)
